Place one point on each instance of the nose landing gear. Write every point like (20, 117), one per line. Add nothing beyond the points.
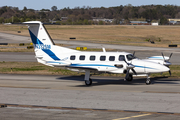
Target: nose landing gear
(148, 81)
(88, 82)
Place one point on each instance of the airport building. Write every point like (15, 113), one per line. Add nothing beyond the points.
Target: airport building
(174, 21)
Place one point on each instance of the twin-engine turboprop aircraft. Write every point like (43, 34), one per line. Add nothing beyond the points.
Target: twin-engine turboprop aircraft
(89, 62)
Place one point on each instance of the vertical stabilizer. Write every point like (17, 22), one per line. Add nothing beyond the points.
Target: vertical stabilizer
(44, 47)
(41, 40)
(38, 33)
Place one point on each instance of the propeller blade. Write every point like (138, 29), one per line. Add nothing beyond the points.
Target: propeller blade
(134, 71)
(170, 72)
(133, 53)
(125, 61)
(127, 74)
(170, 56)
(163, 56)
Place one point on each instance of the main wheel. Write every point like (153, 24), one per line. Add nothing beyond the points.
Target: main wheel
(88, 82)
(130, 78)
(148, 81)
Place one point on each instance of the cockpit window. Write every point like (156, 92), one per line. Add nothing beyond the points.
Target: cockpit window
(130, 57)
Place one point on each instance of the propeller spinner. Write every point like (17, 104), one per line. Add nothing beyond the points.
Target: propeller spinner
(166, 62)
(129, 67)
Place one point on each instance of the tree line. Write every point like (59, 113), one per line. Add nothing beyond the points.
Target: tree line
(85, 14)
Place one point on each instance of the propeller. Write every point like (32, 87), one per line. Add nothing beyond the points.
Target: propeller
(129, 67)
(169, 57)
(167, 63)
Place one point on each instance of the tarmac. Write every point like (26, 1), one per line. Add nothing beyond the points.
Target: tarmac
(38, 96)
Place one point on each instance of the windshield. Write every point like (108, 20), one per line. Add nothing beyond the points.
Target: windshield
(130, 57)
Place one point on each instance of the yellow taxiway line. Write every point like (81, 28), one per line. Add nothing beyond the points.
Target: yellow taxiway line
(132, 117)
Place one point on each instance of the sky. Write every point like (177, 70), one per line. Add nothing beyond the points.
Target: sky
(47, 4)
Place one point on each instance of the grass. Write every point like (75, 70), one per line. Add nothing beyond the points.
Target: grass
(12, 47)
(17, 48)
(113, 34)
(36, 68)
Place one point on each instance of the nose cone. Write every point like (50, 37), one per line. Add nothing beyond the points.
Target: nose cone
(151, 67)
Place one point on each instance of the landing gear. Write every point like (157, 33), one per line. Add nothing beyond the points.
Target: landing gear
(88, 82)
(130, 78)
(87, 78)
(148, 81)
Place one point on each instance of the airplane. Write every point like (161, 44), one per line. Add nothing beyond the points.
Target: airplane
(52, 55)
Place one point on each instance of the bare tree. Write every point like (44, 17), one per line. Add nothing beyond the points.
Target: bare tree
(178, 15)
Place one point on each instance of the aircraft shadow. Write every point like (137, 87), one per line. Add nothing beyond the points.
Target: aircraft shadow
(97, 81)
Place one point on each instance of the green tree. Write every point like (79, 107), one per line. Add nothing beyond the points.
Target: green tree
(25, 8)
(163, 20)
(101, 22)
(1, 19)
(54, 8)
(16, 20)
(85, 22)
(28, 19)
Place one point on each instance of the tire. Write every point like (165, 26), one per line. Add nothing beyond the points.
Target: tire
(148, 82)
(88, 82)
(130, 78)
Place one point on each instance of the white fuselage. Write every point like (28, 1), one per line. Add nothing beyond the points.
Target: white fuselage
(111, 62)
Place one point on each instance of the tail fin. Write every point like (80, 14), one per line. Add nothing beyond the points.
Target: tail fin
(39, 34)
(44, 47)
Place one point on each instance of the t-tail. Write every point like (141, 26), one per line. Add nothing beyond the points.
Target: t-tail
(45, 50)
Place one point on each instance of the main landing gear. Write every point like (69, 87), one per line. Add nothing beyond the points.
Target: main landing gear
(87, 78)
(130, 78)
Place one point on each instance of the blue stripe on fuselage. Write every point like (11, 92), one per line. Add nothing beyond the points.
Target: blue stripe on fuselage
(144, 67)
(83, 65)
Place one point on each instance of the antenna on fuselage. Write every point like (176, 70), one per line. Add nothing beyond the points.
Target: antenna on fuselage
(104, 50)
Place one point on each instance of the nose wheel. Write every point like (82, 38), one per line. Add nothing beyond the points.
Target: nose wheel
(148, 81)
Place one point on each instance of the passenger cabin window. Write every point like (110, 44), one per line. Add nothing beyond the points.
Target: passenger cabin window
(102, 58)
(82, 57)
(73, 57)
(92, 58)
(111, 58)
(121, 58)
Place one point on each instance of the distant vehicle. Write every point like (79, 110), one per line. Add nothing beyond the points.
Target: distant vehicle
(49, 54)
(7, 23)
